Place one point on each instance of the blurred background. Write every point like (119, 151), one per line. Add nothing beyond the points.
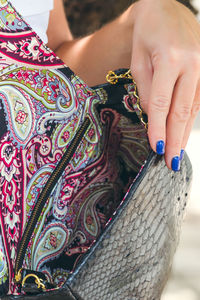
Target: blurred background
(84, 17)
(184, 283)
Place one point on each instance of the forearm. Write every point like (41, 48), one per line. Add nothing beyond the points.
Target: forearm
(107, 49)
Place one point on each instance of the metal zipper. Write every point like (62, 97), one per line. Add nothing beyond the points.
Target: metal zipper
(44, 196)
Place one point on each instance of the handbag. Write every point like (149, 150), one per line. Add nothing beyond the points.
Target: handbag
(87, 210)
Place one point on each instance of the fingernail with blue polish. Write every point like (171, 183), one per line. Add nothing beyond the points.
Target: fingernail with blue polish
(176, 163)
(182, 154)
(160, 147)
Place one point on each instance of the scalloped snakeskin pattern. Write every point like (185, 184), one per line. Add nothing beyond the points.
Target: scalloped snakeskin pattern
(134, 258)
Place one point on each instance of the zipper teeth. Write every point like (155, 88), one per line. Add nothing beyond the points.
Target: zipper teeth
(46, 193)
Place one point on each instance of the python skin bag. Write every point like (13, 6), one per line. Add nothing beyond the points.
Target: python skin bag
(87, 210)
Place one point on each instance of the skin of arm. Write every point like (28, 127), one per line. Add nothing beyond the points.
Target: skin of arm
(58, 31)
(160, 41)
(91, 57)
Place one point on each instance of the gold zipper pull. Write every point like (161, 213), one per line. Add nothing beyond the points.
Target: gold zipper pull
(18, 276)
(38, 281)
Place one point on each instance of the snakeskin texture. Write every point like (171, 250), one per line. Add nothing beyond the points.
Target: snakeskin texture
(132, 258)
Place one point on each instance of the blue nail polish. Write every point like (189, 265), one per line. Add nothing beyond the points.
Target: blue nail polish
(160, 147)
(176, 163)
(182, 154)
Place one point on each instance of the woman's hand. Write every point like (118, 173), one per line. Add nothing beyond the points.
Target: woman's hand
(160, 39)
(166, 66)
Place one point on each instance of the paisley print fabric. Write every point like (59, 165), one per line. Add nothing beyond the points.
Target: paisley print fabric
(42, 105)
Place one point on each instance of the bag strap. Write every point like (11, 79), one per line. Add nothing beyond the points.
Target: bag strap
(113, 78)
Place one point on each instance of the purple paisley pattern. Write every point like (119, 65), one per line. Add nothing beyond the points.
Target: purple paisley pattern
(42, 105)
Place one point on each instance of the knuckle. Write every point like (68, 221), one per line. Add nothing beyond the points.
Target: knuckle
(156, 59)
(182, 114)
(195, 60)
(171, 56)
(195, 109)
(160, 103)
(175, 55)
(137, 69)
(191, 60)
